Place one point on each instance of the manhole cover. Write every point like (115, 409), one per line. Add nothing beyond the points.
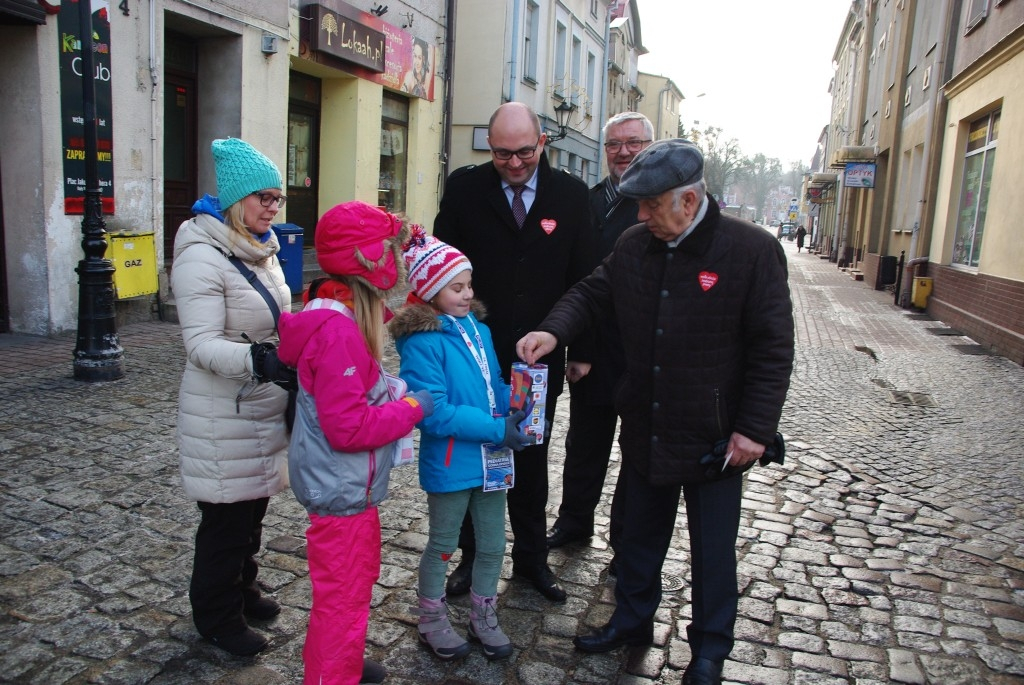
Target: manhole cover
(671, 583)
(944, 331)
(973, 349)
(914, 399)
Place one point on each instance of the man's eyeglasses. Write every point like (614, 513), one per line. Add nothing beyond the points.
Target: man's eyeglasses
(614, 146)
(521, 153)
(267, 199)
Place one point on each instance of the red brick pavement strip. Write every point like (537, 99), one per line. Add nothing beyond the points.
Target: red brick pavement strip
(835, 311)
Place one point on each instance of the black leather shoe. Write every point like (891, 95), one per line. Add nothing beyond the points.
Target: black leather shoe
(702, 671)
(609, 638)
(558, 537)
(461, 578)
(246, 643)
(543, 580)
(373, 672)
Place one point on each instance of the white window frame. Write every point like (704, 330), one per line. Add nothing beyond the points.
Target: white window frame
(559, 77)
(531, 40)
(967, 239)
(977, 10)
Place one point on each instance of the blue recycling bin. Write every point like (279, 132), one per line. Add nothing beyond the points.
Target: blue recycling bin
(290, 237)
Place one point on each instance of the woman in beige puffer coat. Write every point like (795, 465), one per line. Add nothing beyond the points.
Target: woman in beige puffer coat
(231, 431)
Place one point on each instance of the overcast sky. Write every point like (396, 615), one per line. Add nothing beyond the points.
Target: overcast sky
(764, 67)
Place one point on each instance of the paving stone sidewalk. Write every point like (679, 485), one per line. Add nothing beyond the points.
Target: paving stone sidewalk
(887, 549)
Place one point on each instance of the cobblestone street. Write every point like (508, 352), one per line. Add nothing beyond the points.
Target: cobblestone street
(889, 548)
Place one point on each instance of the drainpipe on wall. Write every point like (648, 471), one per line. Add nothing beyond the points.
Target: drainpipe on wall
(932, 151)
(601, 161)
(449, 68)
(514, 50)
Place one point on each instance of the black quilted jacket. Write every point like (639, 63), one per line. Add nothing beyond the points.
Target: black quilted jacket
(707, 329)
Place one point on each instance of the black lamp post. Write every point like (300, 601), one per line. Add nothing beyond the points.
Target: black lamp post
(98, 353)
(562, 113)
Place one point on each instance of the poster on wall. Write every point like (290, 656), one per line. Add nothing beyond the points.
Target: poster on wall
(72, 108)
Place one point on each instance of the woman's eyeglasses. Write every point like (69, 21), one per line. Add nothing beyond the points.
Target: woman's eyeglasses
(267, 199)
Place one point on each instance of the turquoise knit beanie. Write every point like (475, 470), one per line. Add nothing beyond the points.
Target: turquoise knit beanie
(241, 169)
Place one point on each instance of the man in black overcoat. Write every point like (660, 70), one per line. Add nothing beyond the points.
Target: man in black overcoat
(593, 379)
(519, 271)
(706, 321)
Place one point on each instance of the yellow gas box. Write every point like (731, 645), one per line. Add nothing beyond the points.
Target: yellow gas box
(134, 259)
(920, 292)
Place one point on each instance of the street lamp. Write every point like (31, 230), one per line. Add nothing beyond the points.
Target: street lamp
(563, 111)
(98, 354)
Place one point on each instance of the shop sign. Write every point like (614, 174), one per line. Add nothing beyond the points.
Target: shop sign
(72, 108)
(408, 62)
(345, 37)
(859, 175)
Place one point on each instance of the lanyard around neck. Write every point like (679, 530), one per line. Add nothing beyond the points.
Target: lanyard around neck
(480, 355)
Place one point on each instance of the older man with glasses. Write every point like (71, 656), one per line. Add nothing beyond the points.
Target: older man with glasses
(598, 364)
(703, 307)
(527, 230)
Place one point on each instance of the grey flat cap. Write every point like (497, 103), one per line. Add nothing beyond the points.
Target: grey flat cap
(664, 165)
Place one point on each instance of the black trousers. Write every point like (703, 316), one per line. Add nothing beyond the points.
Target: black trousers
(224, 567)
(712, 518)
(527, 504)
(588, 446)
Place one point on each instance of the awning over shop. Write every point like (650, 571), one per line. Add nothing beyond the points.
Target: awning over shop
(819, 187)
(852, 153)
(21, 12)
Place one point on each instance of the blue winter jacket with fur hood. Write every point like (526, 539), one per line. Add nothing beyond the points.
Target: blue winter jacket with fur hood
(435, 358)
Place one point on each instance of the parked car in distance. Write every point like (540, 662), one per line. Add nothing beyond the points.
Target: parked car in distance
(787, 231)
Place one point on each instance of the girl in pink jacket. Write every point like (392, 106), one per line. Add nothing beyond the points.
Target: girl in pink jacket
(350, 421)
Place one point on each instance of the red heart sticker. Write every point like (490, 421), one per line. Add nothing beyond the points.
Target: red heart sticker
(707, 280)
(548, 225)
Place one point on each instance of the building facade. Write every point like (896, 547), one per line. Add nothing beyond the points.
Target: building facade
(542, 53)
(921, 93)
(660, 104)
(363, 122)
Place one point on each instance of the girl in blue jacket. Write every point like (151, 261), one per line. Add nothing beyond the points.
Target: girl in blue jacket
(465, 460)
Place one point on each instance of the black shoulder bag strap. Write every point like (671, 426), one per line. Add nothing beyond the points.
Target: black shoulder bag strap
(289, 413)
(256, 283)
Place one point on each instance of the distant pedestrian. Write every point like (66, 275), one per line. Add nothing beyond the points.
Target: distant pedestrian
(800, 233)
(465, 445)
(703, 307)
(350, 417)
(232, 438)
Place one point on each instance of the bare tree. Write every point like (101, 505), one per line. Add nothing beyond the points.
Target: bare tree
(722, 158)
(762, 175)
(794, 178)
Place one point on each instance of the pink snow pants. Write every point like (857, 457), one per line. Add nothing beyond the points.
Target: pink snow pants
(344, 562)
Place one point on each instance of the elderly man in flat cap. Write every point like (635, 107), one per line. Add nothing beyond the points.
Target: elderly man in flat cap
(702, 303)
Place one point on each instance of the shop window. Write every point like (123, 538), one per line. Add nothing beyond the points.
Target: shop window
(394, 159)
(974, 191)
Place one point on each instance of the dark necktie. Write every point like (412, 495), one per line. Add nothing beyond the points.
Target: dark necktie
(518, 206)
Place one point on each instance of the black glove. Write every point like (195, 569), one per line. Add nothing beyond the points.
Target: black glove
(267, 368)
(513, 438)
